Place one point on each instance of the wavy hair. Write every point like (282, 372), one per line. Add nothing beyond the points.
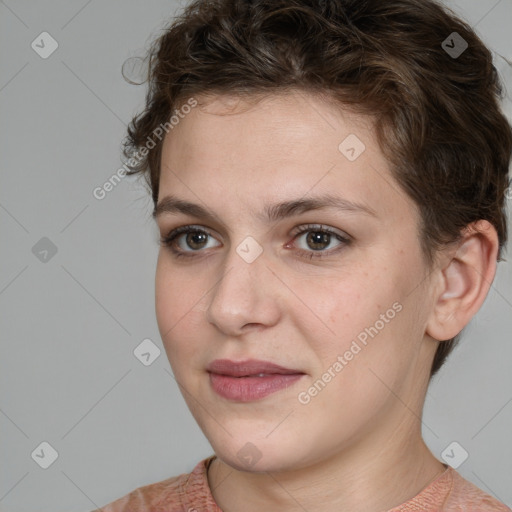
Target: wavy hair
(437, 116)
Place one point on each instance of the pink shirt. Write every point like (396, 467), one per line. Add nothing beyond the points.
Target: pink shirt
(189, 492)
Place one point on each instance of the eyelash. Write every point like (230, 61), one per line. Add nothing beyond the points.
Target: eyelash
(168, 241)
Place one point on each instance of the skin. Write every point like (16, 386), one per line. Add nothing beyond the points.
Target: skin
(357, 444)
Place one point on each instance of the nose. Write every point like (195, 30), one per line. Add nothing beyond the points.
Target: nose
(246, 297)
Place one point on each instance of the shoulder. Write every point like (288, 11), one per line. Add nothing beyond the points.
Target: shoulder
(465, 496)
(175, 494)
(450, 492)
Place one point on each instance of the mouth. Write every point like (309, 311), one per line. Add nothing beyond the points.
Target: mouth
(250, 380)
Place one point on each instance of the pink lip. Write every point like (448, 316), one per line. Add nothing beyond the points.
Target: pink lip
(247, 367)
(239, 381)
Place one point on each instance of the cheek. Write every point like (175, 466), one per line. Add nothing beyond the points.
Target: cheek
(166, 292)
(371, 321)
(349, 304)
(354, 378)
(177, 309)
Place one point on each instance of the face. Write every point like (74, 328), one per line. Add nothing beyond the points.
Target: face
(336, 295)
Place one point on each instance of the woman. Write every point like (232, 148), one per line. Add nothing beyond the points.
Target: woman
(329, 182)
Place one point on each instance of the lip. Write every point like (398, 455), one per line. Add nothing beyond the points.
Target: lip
(239, 381)
(248, 367)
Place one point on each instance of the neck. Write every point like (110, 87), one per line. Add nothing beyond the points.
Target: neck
(381, 480)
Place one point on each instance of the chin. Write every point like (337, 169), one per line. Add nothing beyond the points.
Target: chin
(254, 461)
(257, 455)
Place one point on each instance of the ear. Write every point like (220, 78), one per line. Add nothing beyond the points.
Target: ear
(466, 275)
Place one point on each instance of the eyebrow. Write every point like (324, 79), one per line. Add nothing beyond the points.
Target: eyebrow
(271, 212)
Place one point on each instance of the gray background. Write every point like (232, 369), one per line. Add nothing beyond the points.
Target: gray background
(69, 325)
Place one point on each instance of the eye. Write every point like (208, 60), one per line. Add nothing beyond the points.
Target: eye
(196, 239)
(317, 239)
(189, 241)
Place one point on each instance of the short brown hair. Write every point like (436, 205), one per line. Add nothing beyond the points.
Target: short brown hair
(437, 115)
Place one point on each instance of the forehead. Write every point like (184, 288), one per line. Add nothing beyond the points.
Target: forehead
(293, 116)
(277, 147)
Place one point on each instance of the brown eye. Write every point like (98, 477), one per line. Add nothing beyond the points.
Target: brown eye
(196, 240)
(186, 240)
(317, 238)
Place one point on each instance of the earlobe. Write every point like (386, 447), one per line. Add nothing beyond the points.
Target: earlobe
(465, 281)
